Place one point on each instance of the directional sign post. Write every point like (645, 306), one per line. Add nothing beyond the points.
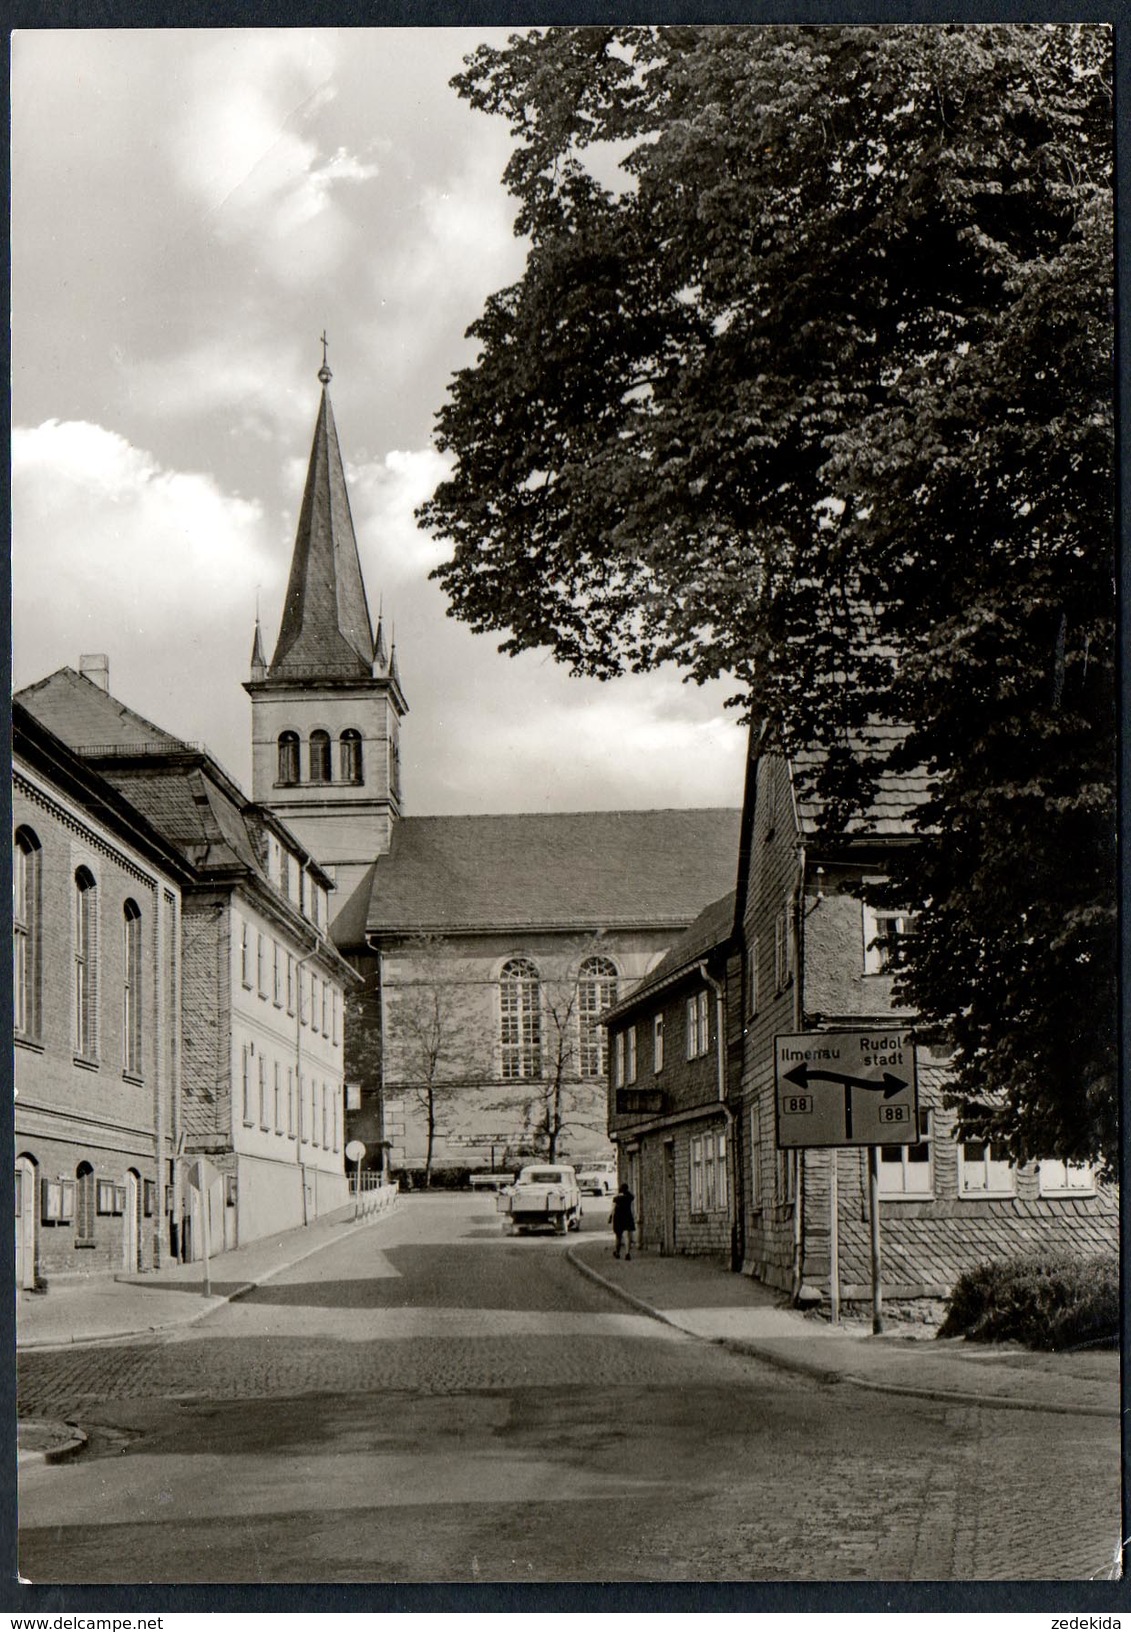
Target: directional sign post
(846, 1088)
(841, 1088)
(202, 1176)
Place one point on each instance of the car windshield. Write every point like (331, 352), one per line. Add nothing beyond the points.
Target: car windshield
(544, 1175)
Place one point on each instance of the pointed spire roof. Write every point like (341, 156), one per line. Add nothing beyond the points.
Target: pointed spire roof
(258, 662)
(325, 629)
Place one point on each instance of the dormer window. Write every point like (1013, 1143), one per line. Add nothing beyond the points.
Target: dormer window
(349, 756)
(320, 756)
(288, 757)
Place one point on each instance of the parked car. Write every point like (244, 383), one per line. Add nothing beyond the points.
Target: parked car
(545, 1195)
(598, 1180)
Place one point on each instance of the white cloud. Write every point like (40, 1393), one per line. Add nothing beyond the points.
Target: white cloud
(245, 148)
(263, 387)
(384, 496)
(159, 568)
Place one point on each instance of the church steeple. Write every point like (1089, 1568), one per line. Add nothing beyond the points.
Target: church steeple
(326, 710)
(325, 629)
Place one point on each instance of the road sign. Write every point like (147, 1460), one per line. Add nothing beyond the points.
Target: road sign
(846, 1088)
(355, 1150)
(202, 1175)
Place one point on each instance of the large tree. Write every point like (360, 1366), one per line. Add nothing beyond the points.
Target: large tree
(809, 381)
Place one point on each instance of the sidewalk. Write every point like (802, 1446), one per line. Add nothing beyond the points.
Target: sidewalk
(704, 1298)
(103, 1310)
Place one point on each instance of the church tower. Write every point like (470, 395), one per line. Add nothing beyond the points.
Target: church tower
(326, 710)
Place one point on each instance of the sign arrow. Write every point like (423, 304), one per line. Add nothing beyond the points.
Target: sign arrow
(802, 1075)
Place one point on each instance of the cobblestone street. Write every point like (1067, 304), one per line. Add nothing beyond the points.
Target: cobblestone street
(505, 1419)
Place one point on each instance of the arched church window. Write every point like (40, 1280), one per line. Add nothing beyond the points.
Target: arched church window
(131, 988)
(288, 756)
(349, 750)
(320, 756)
(85, 950)
(84, 1202)
(26, 931)
(520, 1020)
(596, 990)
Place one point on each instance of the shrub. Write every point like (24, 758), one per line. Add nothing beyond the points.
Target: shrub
(1044, 1303)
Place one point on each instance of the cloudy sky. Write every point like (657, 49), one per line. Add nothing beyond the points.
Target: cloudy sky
(190, 210)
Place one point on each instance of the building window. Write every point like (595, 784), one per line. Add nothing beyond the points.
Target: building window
(26, 932)
(906, 1170)
(984, 1170)
(325, 1117)
(245, 956)
(131, 988)
(885, 939)
(261, 964)
(657, 1043)
(596, 991)
(520, 1020)
(325, 1009)
(336, 1019)
(275, 865)
(293, 879)
(752, 976)
(277, 985)
(86, 964)
(709, 1173)
(349, 756)
(246, 1086)
(319, 756)
(288, 757)
(264, 1123)
(755, 1157)
(85, 1211)
(630, 1054)
(787, 1177)
(624, 1056)
(1056, 1178)
(783, 951)
(698, 1025)
(290, 983)
(290, 1102)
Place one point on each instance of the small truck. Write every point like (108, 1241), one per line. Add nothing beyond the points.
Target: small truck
(544, 1196)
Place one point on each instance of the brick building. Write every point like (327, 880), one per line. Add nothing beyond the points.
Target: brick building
(815, 958)
(262, 985)
(488, 944)
(671, 1049)
(96, 934)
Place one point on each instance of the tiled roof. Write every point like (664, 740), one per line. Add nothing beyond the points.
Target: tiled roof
(597, 869)
(82, 715)
(898, 793)
(186, 805)
(711, 929)
(325, 627)
(185, 795)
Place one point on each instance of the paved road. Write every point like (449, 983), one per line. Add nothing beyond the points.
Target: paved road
(429, 1401)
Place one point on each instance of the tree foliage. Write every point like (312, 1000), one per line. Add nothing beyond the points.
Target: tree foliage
(809, 382)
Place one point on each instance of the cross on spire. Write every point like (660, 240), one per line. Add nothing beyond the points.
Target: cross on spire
(324, 372)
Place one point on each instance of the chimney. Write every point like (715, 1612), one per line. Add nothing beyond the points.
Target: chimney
(95, 667)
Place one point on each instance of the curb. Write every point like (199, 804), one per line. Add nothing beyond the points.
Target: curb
(57, 1453)
(217, 1301)
(830, 1375)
